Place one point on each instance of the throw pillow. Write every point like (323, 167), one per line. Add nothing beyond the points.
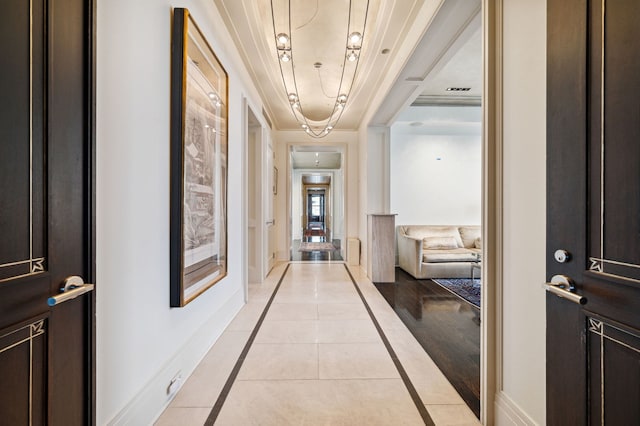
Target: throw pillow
(440, 243)
(427, 231)
(478, 243)
(469, 234)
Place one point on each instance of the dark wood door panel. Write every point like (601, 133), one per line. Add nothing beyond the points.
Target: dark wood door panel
(614, 372)
(614, 33)
(68, 134)
(593, 210)
(69, 368)
(22, 368)
(46, 211)
(23, 298)
(21, 138)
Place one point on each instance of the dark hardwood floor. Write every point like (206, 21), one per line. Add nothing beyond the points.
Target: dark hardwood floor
(446, 326)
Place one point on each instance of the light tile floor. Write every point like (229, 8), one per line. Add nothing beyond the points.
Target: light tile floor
(317, 360)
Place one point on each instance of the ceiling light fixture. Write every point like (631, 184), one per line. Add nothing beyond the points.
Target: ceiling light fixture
(285, 57)
(282, 38)
(351, 58)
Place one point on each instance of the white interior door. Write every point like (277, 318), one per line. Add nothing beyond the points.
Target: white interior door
(268, 189)
(254, 202)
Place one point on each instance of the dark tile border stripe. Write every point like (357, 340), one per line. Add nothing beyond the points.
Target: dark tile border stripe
(403, 374)
(217, 407)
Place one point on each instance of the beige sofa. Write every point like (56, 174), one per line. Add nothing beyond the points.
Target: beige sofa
(433, 251)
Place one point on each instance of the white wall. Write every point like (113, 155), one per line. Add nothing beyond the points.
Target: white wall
(524, 210)
(373, 182)
(141, 342)
(436, 168)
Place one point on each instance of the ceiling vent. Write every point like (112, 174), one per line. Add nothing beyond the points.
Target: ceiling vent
(458, 89)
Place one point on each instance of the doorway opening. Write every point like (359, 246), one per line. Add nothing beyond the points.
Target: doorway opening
(317, 203)
(434, 145)
(260, 213)
(316, 220)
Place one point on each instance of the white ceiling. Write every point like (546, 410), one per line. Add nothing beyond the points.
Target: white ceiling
(439, 120)
(318, 160)
(316, 157)
(462, 70)
(432, 45)
(449, 54)
(321, 38)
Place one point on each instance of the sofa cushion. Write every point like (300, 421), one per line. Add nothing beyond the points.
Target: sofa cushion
(439, 243)
(477, 243)
(455, 255)
(424, 231)
(469, 234)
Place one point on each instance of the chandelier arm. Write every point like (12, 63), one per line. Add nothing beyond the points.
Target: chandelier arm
(344, 62)
(308, 129)
(355, 71)
(284, 83)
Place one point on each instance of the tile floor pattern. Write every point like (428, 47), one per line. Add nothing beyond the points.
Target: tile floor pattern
(317, 360)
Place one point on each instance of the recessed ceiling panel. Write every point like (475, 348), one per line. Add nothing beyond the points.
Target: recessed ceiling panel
(319, 31)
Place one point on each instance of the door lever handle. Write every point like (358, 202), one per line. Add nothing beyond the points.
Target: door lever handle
(563, 286)
(72, 287)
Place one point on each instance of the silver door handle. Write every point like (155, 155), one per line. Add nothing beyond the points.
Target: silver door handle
(563, 286)
(72, 287)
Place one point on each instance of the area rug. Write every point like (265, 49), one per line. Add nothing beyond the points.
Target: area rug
(467, 289)
(315, 246)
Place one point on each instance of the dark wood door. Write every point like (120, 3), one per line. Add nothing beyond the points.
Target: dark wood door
(593, 211)
(46, 205)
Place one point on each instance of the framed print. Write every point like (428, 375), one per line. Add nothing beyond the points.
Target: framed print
(198, 179)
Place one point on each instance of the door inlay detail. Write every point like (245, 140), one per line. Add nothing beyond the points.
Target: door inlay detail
(609, 332)
(23, 268)
(596, 265)
(37, 328)
(22, 335)
(595, 326)
(37, 265)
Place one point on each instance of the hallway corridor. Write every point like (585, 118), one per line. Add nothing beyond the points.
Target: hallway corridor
(317, 344)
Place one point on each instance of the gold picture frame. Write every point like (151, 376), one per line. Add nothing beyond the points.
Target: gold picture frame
(199, 147)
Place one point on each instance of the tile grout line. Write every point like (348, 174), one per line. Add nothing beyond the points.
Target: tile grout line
(422, 409)
(217, 407)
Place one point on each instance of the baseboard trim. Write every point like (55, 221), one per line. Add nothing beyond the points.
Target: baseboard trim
(508, 412)
(147, 406)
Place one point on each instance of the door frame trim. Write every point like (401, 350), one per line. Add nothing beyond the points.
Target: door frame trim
(343, 148)
(491, 374)
(91, 161)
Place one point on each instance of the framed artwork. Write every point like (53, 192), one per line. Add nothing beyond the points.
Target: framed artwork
(198, 179)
